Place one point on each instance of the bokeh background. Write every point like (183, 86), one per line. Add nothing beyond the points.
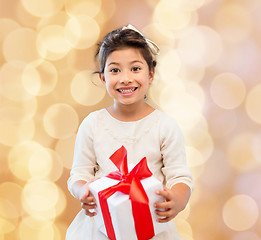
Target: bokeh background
(207, 78)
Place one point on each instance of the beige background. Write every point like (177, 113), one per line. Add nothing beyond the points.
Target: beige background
(207, 78)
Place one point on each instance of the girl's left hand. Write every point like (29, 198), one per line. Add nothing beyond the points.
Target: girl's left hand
(175, 203)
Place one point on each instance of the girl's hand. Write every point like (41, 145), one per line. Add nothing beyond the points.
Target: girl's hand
(176, 200)
(88, 201)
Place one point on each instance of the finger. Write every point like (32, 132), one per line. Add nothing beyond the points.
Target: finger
(163, 205)
(166, 213)
(164, 220)
(164, 193)
(90, 214)
(88, 206)
(88, 200)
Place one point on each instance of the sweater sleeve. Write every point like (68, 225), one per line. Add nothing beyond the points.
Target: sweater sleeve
(175, 167)
(84, 160)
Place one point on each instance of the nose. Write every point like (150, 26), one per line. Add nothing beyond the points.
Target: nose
(126, 77)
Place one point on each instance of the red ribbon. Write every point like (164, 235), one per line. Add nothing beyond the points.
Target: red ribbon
(129, 184)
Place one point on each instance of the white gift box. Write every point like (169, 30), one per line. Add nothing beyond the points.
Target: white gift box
(121, 210)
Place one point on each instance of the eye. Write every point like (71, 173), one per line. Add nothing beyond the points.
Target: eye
(135, 69)
(114, 70)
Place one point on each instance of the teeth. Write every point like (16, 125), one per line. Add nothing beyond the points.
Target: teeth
(126, 90)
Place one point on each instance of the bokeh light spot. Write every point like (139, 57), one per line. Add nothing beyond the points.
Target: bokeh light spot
(60, 121)
(40, 78)
(207, 43)
(84, 91)
(65, 148)
(35, 228)
(240, 152)
(170, 65)
(20, 45)
(39, 193)
(14, 89)
(253, 104)
(171, 18)
(42, 8)
(19, 156)
(82, 7)
(51, 42)
(240, 212)
(15, 133)
(82, 31)
(233, 22)
(228, 90)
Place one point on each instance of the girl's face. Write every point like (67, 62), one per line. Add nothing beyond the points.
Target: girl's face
(127, 76)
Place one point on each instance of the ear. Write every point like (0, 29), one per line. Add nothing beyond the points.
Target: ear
(151, 75)
(101, 75)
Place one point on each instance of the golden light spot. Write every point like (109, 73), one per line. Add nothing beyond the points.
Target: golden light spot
(57, 165)
(31, 80)
(15, 133)
(51, 42)
(81, 7)
(194, 157)
(58, 19)
(107, 12)
(42, 8)
(11, 192)
(61, 202)
(6, 26)
(205, 48)
(65, 148)
(6, 226)
(240, 212)
(82, 31)
(183, 107)
(170, 18)
(20, 45)
(221, 122)
(35, 228)
(14, 89)
(84, 91)
(227, 90)
(246, 235)
(40, 163)
(19, 157)
(192, 73)
(196, 91)
(202, 141)
(60, 121)
(17, 112)
(240, 152)
(170, 65)
(253, 104)
(39, 193)
(39, 79)
(9, 213)
(185, 229)
(233, 22)
(184, 5)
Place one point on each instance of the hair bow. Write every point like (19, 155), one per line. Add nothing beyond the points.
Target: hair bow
(152, 45)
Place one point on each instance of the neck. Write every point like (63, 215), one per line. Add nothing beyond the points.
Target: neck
(131, 112)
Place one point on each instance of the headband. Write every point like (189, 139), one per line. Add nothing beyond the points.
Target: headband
(152, 45)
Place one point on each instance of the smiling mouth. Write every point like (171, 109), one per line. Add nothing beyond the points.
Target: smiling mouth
(127, 90)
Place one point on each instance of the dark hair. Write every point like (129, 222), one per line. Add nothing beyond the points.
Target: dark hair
(122, 38)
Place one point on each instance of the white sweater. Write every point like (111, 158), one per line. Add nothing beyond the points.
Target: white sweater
(156, 137)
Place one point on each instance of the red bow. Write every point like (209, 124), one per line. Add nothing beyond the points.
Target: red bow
(129, 184)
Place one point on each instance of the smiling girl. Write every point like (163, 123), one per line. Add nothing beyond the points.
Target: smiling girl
(127, 66)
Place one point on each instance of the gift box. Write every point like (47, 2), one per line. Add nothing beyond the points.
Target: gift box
(125, 201)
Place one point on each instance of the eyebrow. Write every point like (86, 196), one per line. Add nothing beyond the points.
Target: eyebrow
(135, 61)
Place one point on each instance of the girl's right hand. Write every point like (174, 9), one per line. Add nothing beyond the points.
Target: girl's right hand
(88, 201)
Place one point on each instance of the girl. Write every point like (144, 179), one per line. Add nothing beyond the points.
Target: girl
(127, 66)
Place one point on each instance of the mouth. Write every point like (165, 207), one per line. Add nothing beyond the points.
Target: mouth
(126, 90)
